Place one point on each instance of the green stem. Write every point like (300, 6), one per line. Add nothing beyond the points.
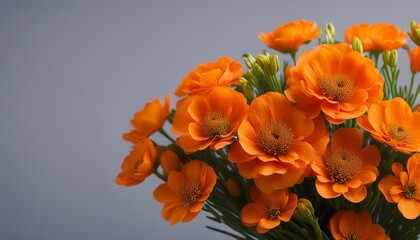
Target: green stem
(163, 132)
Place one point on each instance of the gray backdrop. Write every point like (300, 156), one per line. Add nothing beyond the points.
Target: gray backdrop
(72, 73)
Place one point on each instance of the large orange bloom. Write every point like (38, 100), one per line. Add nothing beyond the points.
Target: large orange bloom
(376, 37)
(149, 119)
(346, 168)
(185, 192)
(209, 120)
(224, 72)
(415, 60)
(393, 122)
(290, 36)
(403, 187)
(138, 165)
(335, 79)
(267, 211)
(276, 143)
(350, 225)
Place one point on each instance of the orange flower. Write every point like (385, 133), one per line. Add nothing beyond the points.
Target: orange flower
(403, 187)
(290, 36)
(415, 60)
(138, 165)
(346, 168)
(148, 120)
(276, 143)
(335, 79)
(233, 188)
(209, 120)
(185, 192)
(224, 72)
(376, 37)
(169, 161)
(393, 122)
(267, 211)
(350, 225)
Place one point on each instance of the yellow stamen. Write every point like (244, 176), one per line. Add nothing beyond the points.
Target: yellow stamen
(410, 190)
(275, 138)
(398, 132)
(215, 124)
(342, 165)
(352, 236)
(273, 210)
(190, 191)
(337, 87)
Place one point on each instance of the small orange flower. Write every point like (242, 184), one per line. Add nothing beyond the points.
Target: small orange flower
(170, 161)
(267, 211)
(185, 192)
(138, 165)
(290, 36)
(346, 168)
(233, 188)
(415, 60)
(276, 146)
(403, 187)
(224, 72)
(376, 37)
(350, 225)
(335, 79)
(209, 120)
(149, 119)
(393, 123)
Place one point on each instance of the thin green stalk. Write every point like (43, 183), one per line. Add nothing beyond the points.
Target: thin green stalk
(163, 132)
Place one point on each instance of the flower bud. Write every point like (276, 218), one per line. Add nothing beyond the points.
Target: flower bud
(357, 45)
(416, 108)
(275, 64)
(390, 58)
(415, 32)
(263, 61)
(415, 60)
(330, 33)
(247, 88)
(233, 188)
(249, 60)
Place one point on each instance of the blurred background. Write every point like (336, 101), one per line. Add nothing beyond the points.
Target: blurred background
(72, 74)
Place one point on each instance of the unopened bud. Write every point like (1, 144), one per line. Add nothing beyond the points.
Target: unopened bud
(304, 209)
(247, 88)
(415, 32)
(390, 58)
(275, 64)
(249, 60)
(416, 108)
(330, 33)
(357, 45)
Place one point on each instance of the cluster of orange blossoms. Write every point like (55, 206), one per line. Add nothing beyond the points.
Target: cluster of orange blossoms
(332, 123)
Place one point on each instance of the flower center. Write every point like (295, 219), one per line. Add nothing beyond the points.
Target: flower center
(273, 210)
(337, 87)
(215, 124)
(275, 138)
(352, 236)
(410, 190)
(398, 132)
(190, 191)
(342, 165)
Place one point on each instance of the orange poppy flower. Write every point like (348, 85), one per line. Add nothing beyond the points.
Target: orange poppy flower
(170, 161)
(290, 36)
(403, 187)
(267, 211)
(346, 168)
(185, 192)
(209, 120)
(149, 119)
(415, 60)
(393, 123)
(376, 37)
(276, 146)
(335, 79)
(350, 225)
(138, 165)
(224, 72)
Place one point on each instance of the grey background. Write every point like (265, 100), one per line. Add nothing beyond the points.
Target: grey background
(72, 73)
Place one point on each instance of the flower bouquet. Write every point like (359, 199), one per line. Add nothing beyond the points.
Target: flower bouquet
(323, 146)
